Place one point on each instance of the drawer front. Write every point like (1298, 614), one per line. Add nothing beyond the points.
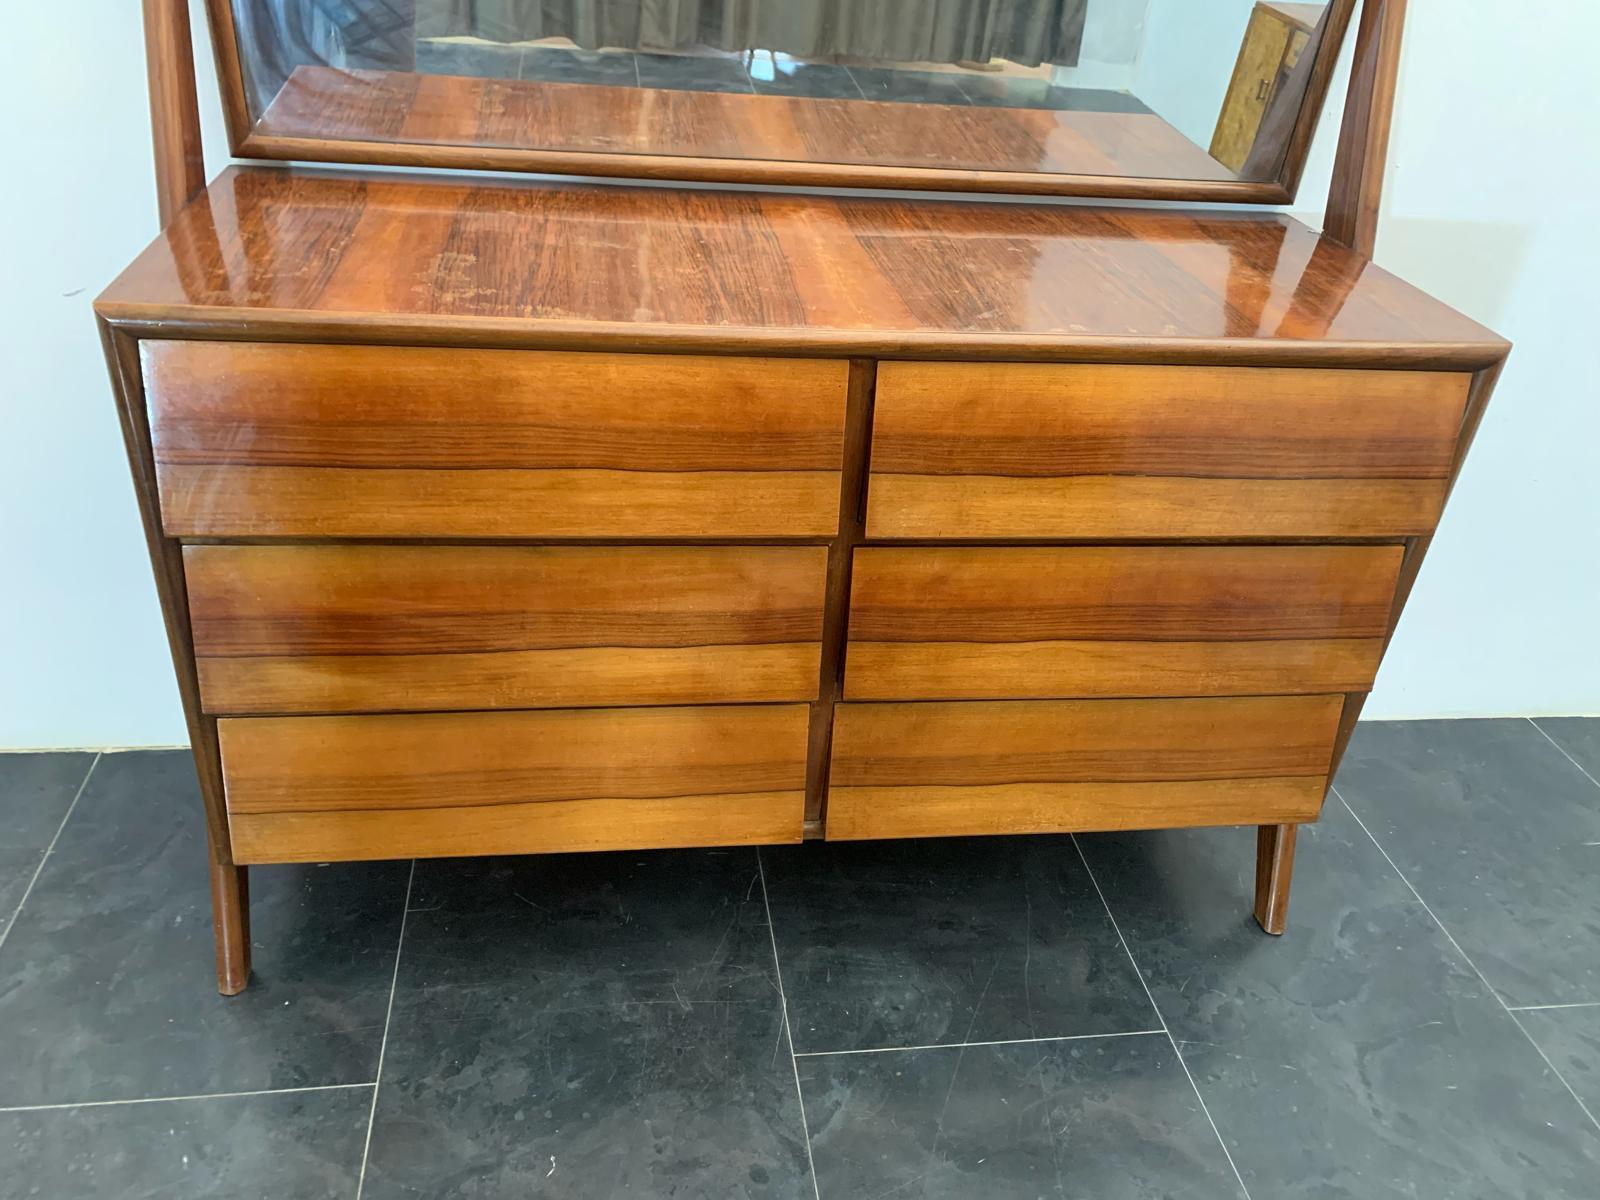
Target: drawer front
(367, 441)
(360, 628)
(314, 789)
(935, 623)
(1029, 766)
(972, 450)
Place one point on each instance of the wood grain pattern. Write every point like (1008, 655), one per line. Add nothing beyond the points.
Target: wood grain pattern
(1082, 741)
(1044, 669)
(548, 827)
(318, 440)
(1256, 74)
(465, 760)
(405, 503)
(387, 628)
(864, 813)
(166, 564)
(1106, 507)
(1030, 420)
(1019, 622)
(1356, 188)
(841, 561)
(174, 109)
(964, 768)
(420, 260)
(986, 450)
(1274, 873)
(230, 920)
(362, 116)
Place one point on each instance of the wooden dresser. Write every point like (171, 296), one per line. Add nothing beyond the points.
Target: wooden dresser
(498, 517)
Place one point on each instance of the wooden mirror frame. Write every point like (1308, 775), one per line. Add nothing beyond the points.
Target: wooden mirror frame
(1353, 198)
(245, 140)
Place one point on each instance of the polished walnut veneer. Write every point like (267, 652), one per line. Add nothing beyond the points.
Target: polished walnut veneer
(1026, 622)
(511, 517)
(456, 121)
(290, 255)
(361, 628)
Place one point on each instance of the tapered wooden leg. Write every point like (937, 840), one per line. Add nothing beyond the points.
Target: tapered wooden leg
(1274, 868)
(230, 915)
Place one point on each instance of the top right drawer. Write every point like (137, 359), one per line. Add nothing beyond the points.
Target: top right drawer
(1044, 451)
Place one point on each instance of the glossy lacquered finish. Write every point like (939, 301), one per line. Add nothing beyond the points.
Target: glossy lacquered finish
(420, 260)
(368, 116)
(938, 623)
(942, 769)
(313, 788)
(986, 450)
(398, 117)
(472, 535)
(361, 628)
(275, 440)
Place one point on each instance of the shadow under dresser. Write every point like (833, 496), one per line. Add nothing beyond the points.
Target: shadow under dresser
(508, 517)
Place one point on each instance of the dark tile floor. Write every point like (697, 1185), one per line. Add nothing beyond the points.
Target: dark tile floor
(761, 73)
(1087, 1017)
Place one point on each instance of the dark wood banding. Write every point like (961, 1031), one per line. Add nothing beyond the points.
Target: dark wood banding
(355, 628)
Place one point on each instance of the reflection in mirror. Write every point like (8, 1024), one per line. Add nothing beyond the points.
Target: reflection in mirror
(1208, 90)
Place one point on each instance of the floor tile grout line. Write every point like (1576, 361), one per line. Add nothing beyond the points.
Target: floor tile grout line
(48, 850)
(290, 1091)
(1467, 958)
(1156, 1008)
(388, 1019)
(1566, 756)
(1547, 1007)
(788, 1034)
(1071, 1037)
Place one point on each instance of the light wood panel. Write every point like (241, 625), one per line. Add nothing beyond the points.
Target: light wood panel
(285, 629)
(549, 827)
(1016, 450)
(967, 768)
(864, 813)
(1016, 622)
(255, 439)
(311, 502)
(434, 760)
(312, 788)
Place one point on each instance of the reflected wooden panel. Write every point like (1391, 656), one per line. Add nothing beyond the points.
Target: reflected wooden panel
(947, 769)
(334, 788)
(432, 259)
(984, 450)
(999, 623)
(309, 440)
(325, 104)
(281, 629)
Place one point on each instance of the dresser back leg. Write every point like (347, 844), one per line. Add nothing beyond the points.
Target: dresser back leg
(230, 915)
(1274, 868)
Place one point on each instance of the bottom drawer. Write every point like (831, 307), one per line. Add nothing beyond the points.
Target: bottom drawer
(935, 769)
(316, 789)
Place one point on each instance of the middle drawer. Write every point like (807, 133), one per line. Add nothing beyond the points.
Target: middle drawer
(996, 623)
(361, 628)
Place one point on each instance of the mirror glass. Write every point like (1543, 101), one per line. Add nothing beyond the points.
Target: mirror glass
(1197, 90)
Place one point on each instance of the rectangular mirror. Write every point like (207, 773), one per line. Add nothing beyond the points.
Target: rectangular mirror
(1183, 99)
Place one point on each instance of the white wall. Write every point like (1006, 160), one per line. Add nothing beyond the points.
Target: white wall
(1113, 31)
(1490, 206)
(1186, 61)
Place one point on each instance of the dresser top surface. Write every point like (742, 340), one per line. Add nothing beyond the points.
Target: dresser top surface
(279, 253)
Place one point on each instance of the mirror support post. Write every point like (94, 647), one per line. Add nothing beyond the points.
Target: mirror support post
(1353, 198)
(174, 109)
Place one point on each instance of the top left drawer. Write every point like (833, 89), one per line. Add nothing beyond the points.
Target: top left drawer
(280, 440)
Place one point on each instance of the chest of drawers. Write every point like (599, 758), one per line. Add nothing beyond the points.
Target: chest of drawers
(693, 520)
